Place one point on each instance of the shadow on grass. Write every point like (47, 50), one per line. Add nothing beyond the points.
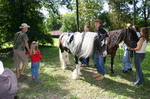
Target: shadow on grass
(118, 87)
(50, 85)
(118, 65)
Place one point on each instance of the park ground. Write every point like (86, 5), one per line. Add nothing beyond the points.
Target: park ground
(55, 83)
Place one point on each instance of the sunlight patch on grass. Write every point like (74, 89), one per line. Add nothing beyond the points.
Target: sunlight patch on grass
(56, 41)
(56, 83)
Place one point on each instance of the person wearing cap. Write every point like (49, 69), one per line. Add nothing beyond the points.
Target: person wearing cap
(20, 43)
(8, 83)
(98, 59)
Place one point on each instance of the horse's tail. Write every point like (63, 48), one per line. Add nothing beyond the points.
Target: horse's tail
(63, 55)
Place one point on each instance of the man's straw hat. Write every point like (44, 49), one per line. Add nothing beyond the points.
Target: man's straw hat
(24, 25)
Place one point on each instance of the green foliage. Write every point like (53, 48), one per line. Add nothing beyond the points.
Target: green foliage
(105, 18)
(145, 12)
(69, 23)
(88, 11)
(53, 23)
(119, 14)
(13, 13)
(55, 83)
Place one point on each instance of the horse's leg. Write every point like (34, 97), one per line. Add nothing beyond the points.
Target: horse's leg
(79, 63)
(62, 59)
(76, 72)
(112, 58)
(67, 59)
(112, 63)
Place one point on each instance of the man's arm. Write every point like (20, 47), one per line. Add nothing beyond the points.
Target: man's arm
(26, 44)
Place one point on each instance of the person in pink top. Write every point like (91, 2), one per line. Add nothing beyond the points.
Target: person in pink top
(35, 60)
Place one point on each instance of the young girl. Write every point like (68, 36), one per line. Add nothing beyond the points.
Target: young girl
(35, 60)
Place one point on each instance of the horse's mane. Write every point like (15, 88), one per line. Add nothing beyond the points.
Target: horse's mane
(88, 44)
(82, 43)
(115, 37)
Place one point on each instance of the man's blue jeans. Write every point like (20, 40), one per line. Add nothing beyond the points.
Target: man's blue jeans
(138, 58)
(85, 61)
(34, 70)
(99, 61)
(126, 60)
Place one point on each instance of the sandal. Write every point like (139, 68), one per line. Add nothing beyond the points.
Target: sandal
(18, 77)
(23, 74)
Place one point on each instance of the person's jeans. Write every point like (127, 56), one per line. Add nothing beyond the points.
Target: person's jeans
(85, 61)
(34, 70)
(99, 61)
(126, 60)
(138, 58)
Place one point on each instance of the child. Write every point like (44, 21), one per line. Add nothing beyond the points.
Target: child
(35, 60)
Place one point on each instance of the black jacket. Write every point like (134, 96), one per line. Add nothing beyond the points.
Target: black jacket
(102, 33)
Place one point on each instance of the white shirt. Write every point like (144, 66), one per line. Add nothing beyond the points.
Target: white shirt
(143, 48)
(138, 34)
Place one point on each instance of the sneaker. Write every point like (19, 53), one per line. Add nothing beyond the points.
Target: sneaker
(23, 75)
(136, 84)
(100, 77)
(33, 77)
(130, 69)
(83, 65)
(96, 75)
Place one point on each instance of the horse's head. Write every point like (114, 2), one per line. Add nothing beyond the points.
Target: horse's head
(100, 45)
(130, 37)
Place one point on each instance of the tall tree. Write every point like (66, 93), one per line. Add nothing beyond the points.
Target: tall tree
(69, 23)
(89, 10)
(145, 12)
(15, 12)
(119, 13)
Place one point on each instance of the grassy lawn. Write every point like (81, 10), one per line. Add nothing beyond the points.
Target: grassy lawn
(55, 83)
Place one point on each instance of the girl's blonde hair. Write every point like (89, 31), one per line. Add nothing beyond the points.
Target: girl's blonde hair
(33, 47)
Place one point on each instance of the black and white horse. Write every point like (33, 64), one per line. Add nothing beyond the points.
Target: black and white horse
(81, 45)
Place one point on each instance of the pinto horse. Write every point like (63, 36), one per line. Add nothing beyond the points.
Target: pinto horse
(128, 35)
(81, 45)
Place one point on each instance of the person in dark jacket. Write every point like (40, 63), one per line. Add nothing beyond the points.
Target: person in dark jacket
(98, 59)
(8, 83)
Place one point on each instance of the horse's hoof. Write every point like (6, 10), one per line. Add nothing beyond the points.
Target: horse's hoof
(112, 72)
(80, 73)
(68, 63)
(75, 77)
(63, 68)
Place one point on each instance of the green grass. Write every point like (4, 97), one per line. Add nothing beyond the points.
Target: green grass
(55, 83)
